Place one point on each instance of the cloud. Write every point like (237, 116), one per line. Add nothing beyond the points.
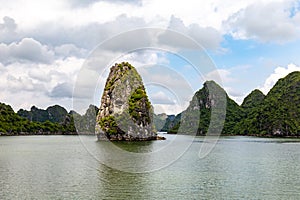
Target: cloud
(67, 50)
(161, 98)
(278, 73)
(80, 3)
(142, 57)
(8, 30)
(9, 24)
(46, 52)
(90, 34)
(38, 74)
(235, 94)
(266, 22)
(220, 76)
(169, 109)
(27, 49)
(22, 84)
(224, 78)
(42, 84)
(208, 37)
(62, 90)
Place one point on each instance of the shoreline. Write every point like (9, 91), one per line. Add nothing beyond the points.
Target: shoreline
(252, 135)
(44, 134)
(159, 137)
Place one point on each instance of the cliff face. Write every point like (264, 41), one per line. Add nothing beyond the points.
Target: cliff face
(198, 118)
(12, 123)
(278, 113)
(54, 113)
(125, 112)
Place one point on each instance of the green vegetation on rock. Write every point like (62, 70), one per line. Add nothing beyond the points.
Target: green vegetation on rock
(125, 112)
(139, 105)
(13, 124)
(53, 120)
(276, 114)
(197, 117)
(109, 125)
(253, 100)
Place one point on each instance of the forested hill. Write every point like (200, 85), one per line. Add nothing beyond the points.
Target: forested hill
(52, 121)
(276, 114)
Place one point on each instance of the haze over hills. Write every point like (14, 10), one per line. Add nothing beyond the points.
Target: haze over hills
(274, 114)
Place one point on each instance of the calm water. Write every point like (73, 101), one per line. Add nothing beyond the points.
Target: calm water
(70, 167)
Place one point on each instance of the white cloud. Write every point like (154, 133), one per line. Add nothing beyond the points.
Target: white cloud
(142, 57)
(220, 76)
(26, 84)
(161, 98)
(22, 83)
(90, 22)
(265, 21)
(169, 109)
(235, 95)
(40, 57)
(278, 73)
(27, 49)
(76, 13)
(8, 29)
(62, 90)
(90, 34)
(207, 37)
(36, 73)
(85, 3)
(66, 50)
(224, 78)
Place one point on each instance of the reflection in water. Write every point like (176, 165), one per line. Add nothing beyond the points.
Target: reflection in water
(137, 147)
(118, 184)
(58, 167)
(138, 157)
(122, 185)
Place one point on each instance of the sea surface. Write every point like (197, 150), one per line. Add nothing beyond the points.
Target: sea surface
(79, 167)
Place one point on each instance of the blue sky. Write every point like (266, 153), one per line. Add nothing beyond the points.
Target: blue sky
(44, 46)
(251, 62)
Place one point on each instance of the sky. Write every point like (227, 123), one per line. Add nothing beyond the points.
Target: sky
(60, 51)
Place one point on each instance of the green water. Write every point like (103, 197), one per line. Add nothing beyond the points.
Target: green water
(71, 167)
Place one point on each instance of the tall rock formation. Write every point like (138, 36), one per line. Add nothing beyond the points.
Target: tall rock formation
(253, 100)
(54, 113)
(209, 112)
(125, 112)
(279, 112)
(251, 106)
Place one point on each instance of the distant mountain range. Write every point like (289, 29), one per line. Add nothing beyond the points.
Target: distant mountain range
(274, 114)
(55, 120)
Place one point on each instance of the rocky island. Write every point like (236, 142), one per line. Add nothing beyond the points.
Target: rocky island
(125, 112)
(276, 114)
